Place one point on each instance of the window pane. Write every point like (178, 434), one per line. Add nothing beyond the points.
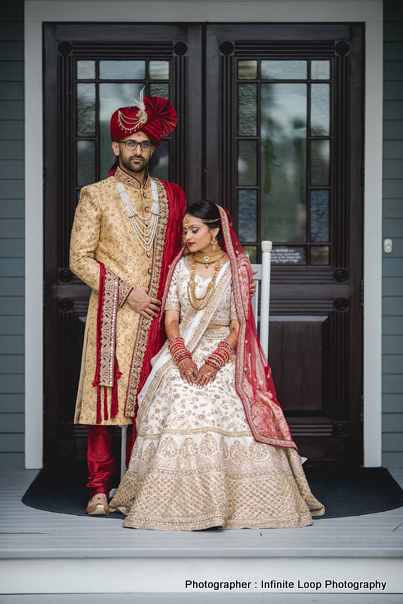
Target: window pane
(320, 70)
(247, 109)
(283, 70)
(320, 254)
(85, 163)
(319, 216)
(122, 70)
(247, 163)
(85, 70)
(251, 251)
(111, 97)
(159, 90)
(247, 70)
(320, 109)
(158, 70)
(159, 164)
(288, 255)
(283, 162)
(85, 109)
(247, 215)
(320, 160)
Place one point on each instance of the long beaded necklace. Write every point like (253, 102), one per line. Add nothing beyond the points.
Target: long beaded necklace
(199, 303)
(144, 227)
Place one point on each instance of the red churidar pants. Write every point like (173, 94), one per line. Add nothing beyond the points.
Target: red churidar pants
(101, 457)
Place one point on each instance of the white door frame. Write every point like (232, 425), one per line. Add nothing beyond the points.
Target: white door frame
(38, 12)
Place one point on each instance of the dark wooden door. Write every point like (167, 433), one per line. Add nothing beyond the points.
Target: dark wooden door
(270, 127)
(288, 124)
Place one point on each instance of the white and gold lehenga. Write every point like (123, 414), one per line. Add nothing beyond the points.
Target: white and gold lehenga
(195, 463)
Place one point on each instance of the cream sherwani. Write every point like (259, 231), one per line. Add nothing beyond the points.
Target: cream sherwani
(102, 231)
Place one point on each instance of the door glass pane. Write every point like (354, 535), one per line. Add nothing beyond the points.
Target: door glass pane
(122, 70)
(159, 90)
(283, 70)
(320, 70)
(111, 97)
(288, 255)
(251, 251)
(320, 109)
(159, 164)
(247, 109)
(320, 254)
(247, 215)
(247, 163)
(319, 216)
(85, 70)
(320, 160)
(247, 70)
(85, 163)
(283, 162)
(85, 109)
(158, 70)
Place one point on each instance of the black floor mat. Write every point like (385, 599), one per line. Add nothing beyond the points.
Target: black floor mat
(343, 491)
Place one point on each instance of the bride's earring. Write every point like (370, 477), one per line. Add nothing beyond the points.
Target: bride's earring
(214, 243)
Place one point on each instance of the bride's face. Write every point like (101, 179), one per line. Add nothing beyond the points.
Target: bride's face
(197, 235)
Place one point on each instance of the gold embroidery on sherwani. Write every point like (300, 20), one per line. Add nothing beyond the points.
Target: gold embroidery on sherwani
(196, 464)
(142, 334)
(102, 231)
(108, 337)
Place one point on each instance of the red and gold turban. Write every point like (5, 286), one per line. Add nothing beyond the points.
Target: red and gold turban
(153, 115)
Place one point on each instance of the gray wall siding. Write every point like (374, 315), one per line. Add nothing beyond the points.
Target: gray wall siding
(392, 352)
(12, 247)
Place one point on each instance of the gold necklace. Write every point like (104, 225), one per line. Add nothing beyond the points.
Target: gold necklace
(201, 303)
(208, 258)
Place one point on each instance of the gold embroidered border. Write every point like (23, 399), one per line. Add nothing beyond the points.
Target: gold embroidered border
(124, 291)
(144, 324)
(214, 429)
(108, 329)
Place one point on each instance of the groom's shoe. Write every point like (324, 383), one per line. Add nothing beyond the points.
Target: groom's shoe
(97, 506)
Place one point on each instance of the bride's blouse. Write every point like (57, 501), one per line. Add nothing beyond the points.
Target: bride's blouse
(178, 299)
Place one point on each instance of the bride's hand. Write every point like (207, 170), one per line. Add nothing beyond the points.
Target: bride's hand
(206, 375)
(188, 371)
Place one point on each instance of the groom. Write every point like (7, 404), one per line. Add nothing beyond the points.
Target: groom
(127, 230)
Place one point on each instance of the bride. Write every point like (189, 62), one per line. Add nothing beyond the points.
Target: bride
(212, 445)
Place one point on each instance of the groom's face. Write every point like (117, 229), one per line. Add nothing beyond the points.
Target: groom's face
(137, 159)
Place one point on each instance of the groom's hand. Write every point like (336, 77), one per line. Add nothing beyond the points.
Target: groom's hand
(142, 303)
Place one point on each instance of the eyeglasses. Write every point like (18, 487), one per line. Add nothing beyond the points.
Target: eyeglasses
(132, 145)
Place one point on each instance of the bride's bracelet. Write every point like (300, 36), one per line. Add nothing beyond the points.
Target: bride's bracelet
(220, 356)
(178, 350)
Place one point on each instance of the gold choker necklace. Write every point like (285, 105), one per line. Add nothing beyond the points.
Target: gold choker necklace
(208, 258)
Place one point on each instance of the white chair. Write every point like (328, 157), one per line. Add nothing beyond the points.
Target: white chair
(262, 279)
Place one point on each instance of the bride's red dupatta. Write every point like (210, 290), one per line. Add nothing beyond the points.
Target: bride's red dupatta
(253, 380)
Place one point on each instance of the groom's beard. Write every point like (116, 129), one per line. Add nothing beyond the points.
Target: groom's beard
(134, 167)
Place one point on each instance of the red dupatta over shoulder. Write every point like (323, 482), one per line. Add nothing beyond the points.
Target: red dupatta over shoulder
(253, 380)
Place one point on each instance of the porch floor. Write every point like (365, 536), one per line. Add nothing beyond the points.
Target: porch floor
(66, 536)
(33, 535)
